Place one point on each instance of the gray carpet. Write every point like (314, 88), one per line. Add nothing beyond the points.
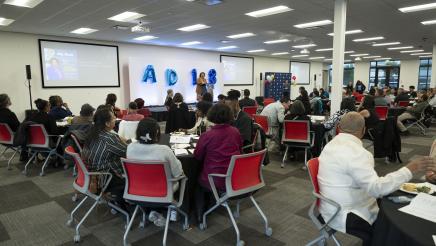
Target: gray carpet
(33, 210)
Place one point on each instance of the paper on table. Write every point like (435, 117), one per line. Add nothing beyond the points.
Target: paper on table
(180, 139)
(180, 152)
(434, 239)
(181, 146)
(191, 151)
(422, 206)
(194, 145)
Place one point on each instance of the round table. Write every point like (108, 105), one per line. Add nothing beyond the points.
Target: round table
(394, 227)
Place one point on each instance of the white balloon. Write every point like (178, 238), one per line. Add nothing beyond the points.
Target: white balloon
(268, 77)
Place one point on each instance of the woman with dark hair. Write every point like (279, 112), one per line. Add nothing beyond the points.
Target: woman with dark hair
(103, 149)
(207, 97)
(6, 115)
(304, 98)
(178, 115)
(201, 85)
(111, 99)
(347, 105)
(367, 110)
(59, 109)
(42, 117)
(215, 149)
(297, 112)
(148, 149)
(202, 124)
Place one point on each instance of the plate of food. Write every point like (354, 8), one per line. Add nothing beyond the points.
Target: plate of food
(415, 188)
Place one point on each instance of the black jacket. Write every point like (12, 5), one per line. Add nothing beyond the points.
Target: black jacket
(9, 117)
(47, 120)
(246, 102)
(245, 126)
(402, 97)
(178, 118)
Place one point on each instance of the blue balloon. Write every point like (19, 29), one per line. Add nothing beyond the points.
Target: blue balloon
(194, 76)
(171, 76)
(212, 76)
(149, 74)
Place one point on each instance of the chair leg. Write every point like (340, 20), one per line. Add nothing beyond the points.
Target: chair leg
(315, 241)
(268, 230)
(77, 236)
(204, 224)
(284, 157)
(129, 226)
(305, 156)
(42, 173)
(10, 159)
(125, 213)
(70, 221)
(235, 226)
(185, 215)
(28, 162)
(167, 223)
(236, 213)
(336, 240)
(4, 151)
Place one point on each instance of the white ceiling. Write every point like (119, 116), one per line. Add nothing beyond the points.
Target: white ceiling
(374, 17)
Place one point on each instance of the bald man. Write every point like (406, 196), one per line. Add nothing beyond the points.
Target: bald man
(347, 176)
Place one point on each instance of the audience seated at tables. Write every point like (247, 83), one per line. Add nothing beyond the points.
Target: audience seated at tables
(148, 149)
(304, 98)
(132, 113)
(402, 96)
(389, 97)
(215, 149)
(412, 113)
(111, 99)
(207, 97)
(169, 98)
(59, 109)
(221, 98)
(297, 112)
(367, 110)
(141, 109)
(246, 101)
(379, 98)
(6, 115)
(85, 117)
(323, 93)
(360, 87)
(347, 105)
(311, 95)
(316, 104)
(346, 175)
(412, 93)
(201, 124)
(178, 115)
(42, 117)
(102, 151)
(371, 91)
(350, 86)
(241, 120)
(276, 114)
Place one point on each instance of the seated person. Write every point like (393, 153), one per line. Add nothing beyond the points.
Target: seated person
(42, 117)
(389, 97)
(402, 96)
(207, 97)
(6, 115)
(60, 109)
(380, 99)
(132, 113)
(202, 124)
(367, 110)
(412, 92)
(111, 99)
(169, 98)
(148, 149)
(316, 104)
(347, 105)
(412, 113)
(304, 98)
(221, 98)
(141, 109)
(246, 101)
(276, 114)
(241, 120)
(347, 176)
(85, 117)
(103, 149)
(312, 94)
(324, 94)
(178, 115)
(215, 149)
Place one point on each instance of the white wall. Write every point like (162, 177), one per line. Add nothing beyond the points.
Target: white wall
(361, 72)
(409, 73)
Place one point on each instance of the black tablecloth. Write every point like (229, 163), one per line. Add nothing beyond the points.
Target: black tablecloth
(394, 227)
(396, 111)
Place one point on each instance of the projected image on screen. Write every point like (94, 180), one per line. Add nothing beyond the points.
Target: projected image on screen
(66, 64)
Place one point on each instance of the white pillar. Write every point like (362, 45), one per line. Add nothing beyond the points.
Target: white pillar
(338, 54)
(433, 69)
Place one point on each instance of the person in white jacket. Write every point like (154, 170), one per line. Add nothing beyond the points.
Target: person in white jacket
(347, 176)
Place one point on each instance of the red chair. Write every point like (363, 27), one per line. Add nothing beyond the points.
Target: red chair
(267, 101)
(262, 120)
(323, 227)
(151, 183)
(244, 177)
(250, 110)
(38, 141)
(359, 97)
(79, 147)
(7, 140)
(296, 133)
(403, 103)
(82, 184)
(382, 112)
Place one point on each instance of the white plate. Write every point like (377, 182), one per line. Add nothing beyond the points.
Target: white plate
(432, 188)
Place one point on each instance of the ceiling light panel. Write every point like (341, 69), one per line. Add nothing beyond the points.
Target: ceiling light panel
(420, 7)
(326, 49)
(269, 11)
(349, 52)
(359, 55)
(316, 57)
(192, 28)
(411, 51)
(242, 35)
(191, 43)
(126, 16)
(314, 24)
(276, 41)
(386, 44)
(23, 3)
(5, 21)
(256, 51)
(420, 54)
(296, 56)
(370, 57)
(227, 47)
(145, 38)
(348, 32)
(303, 46)
(84, 30)
(368, 39)
(429, 22)
(383, 59)
(280, 53)
(426, 56)
(401, 48)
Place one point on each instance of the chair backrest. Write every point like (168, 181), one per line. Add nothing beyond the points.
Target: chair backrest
(82, 181)
(312, 168)
(296, 131)
(382, 112)
(262, 120)
(147, 181)
(6, 134)
(403, 103)
(76, 141)
(267, 101)
(244, 174)
(127, 129)
(250, 110)
(37, 136)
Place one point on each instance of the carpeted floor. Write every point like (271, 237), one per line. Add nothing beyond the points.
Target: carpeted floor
(34, 210)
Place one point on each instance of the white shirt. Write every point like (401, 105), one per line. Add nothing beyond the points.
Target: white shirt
(346, 175)
(275, 113)
(432, 101)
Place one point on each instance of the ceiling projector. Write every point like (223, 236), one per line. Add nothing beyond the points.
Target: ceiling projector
(140, 28)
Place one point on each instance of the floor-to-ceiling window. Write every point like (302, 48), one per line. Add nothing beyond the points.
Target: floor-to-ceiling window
(383, 73)
(348, 74)
(424, 75)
